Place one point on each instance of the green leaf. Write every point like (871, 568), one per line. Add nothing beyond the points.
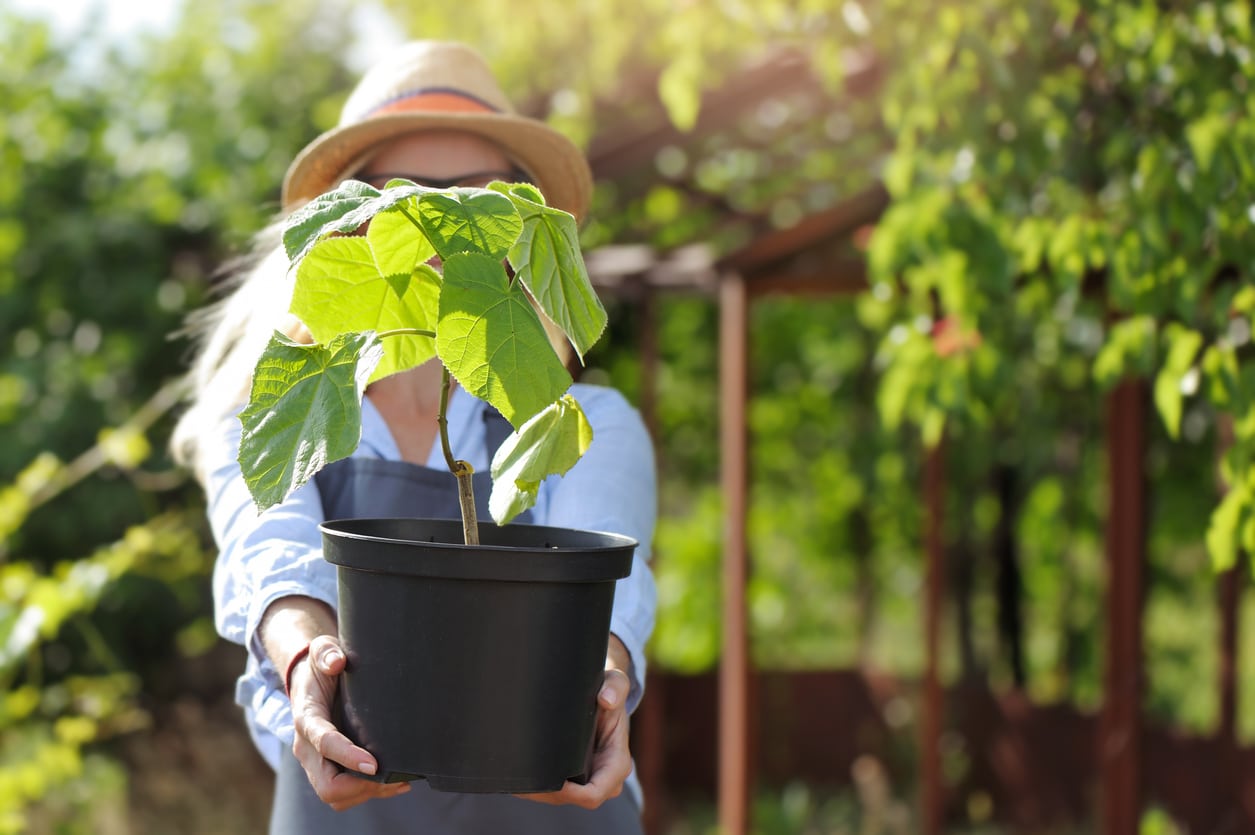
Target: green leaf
(1129, 349)
(343, 209)
(339, 288)
(485, 318)
(1205, 135)
(1243, 302)
(524, 191)
(933, 426)
(1222, 531)
(547, 259)
(469, 220)
(548, 444)
(679, 88)
(397, 242)
(305, 411)
(1182, 346)
(1221, 370)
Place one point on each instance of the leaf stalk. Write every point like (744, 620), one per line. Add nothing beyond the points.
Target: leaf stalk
(461, 469)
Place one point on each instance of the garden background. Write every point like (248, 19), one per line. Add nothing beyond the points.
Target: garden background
(1069, 203)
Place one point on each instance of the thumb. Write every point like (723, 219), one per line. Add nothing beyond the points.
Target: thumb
(327, 654)
(614, 690)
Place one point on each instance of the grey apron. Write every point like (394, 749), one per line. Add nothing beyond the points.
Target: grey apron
(372, 487)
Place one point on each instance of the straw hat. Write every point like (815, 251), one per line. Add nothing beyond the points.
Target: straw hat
(427, 85)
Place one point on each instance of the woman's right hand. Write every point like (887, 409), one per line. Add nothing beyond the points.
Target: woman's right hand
(288, 626)
(319, 746)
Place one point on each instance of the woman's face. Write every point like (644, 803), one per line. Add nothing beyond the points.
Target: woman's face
(438, 158)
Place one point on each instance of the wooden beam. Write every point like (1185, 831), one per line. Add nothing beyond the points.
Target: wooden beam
(632, 270)
(772, 247)
(1120, 722)
(734, 667)
(842, 278)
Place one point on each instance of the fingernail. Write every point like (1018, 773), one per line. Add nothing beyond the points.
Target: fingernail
(330, 657)
(404, 788)
(609, 696)
(366, 768)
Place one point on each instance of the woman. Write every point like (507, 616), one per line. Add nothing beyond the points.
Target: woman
(429, 112)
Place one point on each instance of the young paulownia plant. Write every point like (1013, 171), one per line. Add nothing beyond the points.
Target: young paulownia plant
(376, 306)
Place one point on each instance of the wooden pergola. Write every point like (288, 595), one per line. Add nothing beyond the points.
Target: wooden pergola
(813, 258)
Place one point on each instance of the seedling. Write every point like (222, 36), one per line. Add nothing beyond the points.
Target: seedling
(376, 305)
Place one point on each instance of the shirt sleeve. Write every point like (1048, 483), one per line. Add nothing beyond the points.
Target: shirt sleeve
(613, 488)
(261, 556)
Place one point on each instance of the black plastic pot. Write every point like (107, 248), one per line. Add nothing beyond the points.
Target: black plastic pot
(474, 667)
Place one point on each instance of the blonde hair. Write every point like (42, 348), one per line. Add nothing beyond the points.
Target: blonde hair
(229, 337)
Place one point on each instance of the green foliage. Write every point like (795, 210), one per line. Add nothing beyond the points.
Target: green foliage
(304, 411)
(119, 193)
(305, 405)
(492, 341)
(550, 443)
(687, 574)
(1099, 147)
(349, 283)
(470, 220)
(547, 259)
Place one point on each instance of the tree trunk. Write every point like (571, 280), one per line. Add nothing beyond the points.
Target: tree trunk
(1009, 578)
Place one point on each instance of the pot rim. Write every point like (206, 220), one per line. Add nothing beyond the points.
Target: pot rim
(614, 541)
(432, 548)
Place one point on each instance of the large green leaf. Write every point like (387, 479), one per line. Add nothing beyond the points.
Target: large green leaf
(491, 339)
(469, 220)
(304, 411)
(343, 209)
(548, 444)
(340, 287)
(547, 259)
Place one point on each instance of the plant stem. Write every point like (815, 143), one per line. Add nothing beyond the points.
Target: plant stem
(407, 332)
(462, 470)
(466, 498)
(401, 208)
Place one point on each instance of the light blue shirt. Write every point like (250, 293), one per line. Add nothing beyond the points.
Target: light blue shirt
(278, 553)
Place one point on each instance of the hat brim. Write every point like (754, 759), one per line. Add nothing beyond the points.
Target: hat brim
(554, 163)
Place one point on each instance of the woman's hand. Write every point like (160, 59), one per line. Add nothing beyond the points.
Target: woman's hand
(319, 746)
(612, 760)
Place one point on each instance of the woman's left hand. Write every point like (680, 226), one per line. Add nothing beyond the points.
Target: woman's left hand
(612, 760)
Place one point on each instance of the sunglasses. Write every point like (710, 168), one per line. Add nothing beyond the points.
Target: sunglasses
(476, 179)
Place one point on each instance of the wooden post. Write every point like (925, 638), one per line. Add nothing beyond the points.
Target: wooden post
(932, 799)
(650, 720)
(734, 718)
(1230, 600)
(1230, 605)
(1120, 724)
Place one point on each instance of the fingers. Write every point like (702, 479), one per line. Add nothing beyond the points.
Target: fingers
(318, 745)
(318, 737)
(341, 790)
